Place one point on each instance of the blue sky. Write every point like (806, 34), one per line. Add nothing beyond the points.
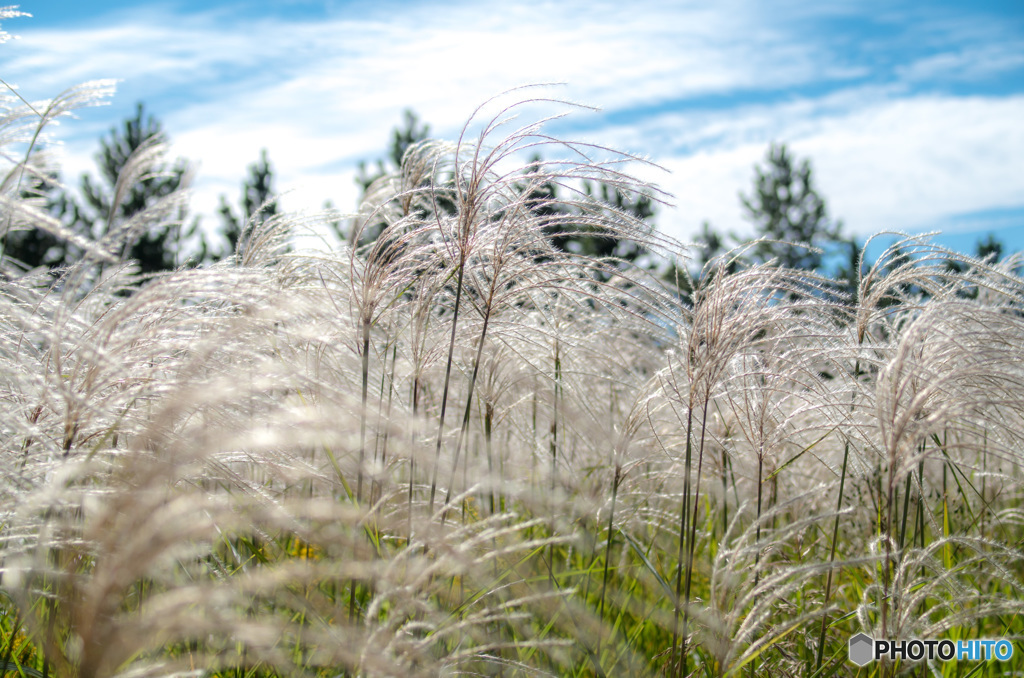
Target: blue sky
(912, 114)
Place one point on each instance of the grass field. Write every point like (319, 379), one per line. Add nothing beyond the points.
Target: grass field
(455, 450)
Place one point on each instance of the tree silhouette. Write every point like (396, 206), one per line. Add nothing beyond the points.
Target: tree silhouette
(787, 209)
(584, 238)
(256, 204)
(156, 246)
(103, 211)
(411, 132)
(34, 247)
(543, 198)
(990, 247)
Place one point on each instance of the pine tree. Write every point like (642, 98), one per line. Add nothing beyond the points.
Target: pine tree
(711, 244)
(546, 203)
(257, 205)
(99, 212)
(155, 248)
(787, 209)
(990, 247)
(35, 247)
(585, 239)
(402, 138)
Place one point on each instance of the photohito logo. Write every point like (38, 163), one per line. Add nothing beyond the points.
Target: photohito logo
(864, 649)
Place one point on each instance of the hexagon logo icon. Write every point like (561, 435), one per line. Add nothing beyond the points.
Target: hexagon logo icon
(862, 649)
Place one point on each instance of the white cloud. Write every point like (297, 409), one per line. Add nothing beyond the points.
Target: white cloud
(968, 64)
(677, 80)
(890, 165)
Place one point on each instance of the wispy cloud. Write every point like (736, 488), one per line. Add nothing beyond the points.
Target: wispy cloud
(699, 89)
(969, 64)
(906, 163)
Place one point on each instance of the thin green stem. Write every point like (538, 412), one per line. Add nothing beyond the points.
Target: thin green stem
(757, 538)
(469, 403)
(447, 381)
(677, 656)
(555, 413)
(362, 414)
(608, 549)
(832, 555)
(488, 426)
(835, 534)
(693, 517)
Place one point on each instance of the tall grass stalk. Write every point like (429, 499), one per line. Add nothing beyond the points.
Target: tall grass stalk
(447, 380)
(835, 536)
